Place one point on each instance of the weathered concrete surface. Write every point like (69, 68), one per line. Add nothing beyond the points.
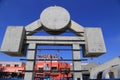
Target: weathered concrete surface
(30, 64)
(76, 28)
(76, 64)
(106, 66)
(13, 41)
(95, 45)
(33, 27)
(55, 40)
(55, 18)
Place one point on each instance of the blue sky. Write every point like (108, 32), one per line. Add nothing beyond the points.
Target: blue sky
(88, 13)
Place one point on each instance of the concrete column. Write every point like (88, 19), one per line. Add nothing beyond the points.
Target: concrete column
(118, 76)
(76, 64)
(105, 72)
(93, 74)
(30, 64)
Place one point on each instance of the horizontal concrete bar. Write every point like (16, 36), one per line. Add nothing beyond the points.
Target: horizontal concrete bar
(55, 42)
(54, 38)
(59, 49)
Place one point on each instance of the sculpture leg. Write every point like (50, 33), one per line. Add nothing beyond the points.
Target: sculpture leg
(30, 64)
(76, 64)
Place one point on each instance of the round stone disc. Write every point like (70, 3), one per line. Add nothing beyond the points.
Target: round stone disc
(55, 18)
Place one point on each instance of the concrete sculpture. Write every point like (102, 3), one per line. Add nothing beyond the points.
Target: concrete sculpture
(54, 20)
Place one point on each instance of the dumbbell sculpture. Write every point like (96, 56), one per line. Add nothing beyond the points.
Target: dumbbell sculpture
(54, 20)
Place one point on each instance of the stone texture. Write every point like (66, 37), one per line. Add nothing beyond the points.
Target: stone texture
(55, 18)
(30, 64)
(76, 64)
(55, 40)
(95, 45)
(13, 41)
(106, 66)
(76, 28)
(33, 27)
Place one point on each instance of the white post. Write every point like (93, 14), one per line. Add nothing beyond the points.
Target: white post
(30, 64)
(76, 64)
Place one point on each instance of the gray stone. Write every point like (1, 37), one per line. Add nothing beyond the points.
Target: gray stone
(30, 64)
(95, 45)
(33, 27)
(13, 42)
(55, 40)
(112, 65)
(55, 18)
(76, 64)
(76, 28)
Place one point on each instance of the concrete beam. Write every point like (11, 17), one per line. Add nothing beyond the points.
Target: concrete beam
(55, 40)
(33, 27)
(76, 28)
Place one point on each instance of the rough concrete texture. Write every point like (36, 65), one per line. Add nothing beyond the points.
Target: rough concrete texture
(76, 64)
(55, 18)
(109, 66)
(30, 64)
(95, 45)
(33, 27)
(55, 40)
(76, 28)
(13, 40)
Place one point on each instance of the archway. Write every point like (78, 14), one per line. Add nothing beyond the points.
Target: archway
(54, 20)
(99, 75)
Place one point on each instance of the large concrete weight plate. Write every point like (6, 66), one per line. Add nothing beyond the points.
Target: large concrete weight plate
(55, 19)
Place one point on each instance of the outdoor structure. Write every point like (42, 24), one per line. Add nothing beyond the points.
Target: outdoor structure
(107, 70)
(88, 67)
(54, 20)
(110, 69)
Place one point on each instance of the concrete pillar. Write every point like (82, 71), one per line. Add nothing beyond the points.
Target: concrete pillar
(105, 72)
(93, 74)
(118, 71)
(76, 64)
(30, 64)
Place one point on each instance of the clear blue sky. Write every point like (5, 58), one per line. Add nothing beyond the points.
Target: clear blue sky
(88, 13)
